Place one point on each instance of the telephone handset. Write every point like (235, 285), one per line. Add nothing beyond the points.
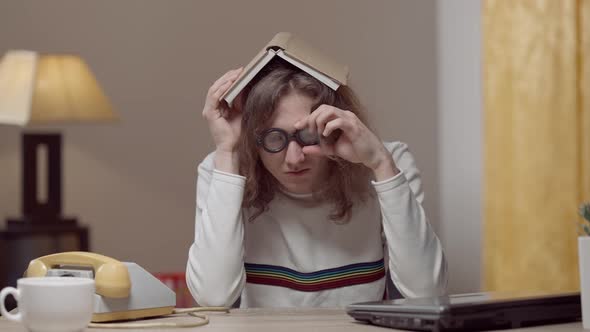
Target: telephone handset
(111, 277)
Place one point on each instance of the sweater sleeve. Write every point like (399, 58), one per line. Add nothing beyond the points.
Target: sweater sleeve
(215, 272)
(416, 260)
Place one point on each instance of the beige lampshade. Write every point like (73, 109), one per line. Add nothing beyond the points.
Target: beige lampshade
(48, 89)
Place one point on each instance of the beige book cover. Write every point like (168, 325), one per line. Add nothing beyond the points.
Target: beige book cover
(297, 52)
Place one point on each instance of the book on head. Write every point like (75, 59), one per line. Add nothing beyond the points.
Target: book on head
(296, 52)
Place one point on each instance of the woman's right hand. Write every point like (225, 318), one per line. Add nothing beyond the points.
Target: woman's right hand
(224, 124)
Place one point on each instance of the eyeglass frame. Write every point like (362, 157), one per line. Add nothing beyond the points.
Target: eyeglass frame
(290, 137)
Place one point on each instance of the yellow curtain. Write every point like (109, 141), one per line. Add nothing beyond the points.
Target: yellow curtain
(537, 141)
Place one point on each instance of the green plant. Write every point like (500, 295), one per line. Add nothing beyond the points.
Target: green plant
(585, 213)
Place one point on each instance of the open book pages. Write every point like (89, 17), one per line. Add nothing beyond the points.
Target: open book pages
(296, 52)
(17, 75)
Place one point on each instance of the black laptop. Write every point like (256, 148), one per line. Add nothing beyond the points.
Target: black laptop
(469, 312)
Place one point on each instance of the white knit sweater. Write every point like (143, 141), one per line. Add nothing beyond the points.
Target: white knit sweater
(293, 255)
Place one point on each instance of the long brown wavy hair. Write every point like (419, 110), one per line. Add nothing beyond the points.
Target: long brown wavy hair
(347, 182)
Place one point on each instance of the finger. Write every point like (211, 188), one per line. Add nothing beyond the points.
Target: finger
(338, 123)
(221, 90)
(302, 123)
(228, 75)
(212, 102)
(311, 120)
(312, 150)
(326, 114)
(231, 75)
(323, 118)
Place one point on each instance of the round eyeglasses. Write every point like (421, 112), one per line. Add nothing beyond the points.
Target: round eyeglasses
(274, 140)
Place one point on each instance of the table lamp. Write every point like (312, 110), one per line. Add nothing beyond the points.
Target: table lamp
(46, 89)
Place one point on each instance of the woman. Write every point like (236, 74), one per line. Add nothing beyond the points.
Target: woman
(302, 205)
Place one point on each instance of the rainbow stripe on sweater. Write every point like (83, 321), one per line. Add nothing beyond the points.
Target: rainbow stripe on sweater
(348, 275)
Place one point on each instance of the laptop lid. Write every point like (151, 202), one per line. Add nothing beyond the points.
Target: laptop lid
(481, 311)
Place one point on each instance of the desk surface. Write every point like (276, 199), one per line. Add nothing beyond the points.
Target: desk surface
(272, 320)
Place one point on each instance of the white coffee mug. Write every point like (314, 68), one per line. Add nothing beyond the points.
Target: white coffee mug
(49, 304)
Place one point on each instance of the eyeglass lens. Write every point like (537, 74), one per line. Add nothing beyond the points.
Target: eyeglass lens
(277, 139)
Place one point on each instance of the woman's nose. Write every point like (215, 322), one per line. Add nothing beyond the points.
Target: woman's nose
(294, 155)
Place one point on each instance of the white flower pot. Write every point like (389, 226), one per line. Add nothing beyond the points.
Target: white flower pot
(584, 261)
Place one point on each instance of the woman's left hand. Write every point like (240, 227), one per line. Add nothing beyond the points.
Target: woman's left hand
(356, 142)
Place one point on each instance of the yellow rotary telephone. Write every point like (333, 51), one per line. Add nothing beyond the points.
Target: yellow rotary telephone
(124, 290)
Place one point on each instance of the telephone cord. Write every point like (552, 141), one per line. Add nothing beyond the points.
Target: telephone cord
(204, 320)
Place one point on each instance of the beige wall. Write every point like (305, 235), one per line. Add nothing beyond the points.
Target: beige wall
(133, 182)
